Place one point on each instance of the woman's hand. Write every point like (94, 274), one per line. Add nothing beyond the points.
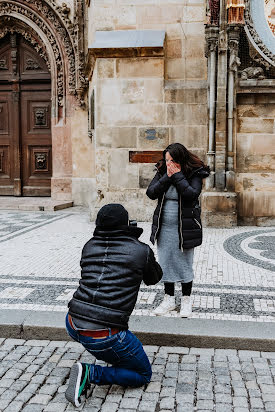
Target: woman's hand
(173, 168)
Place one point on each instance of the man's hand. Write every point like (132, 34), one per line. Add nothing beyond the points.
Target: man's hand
(173, 168)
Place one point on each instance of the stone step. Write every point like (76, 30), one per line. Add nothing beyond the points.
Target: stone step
(39, 204)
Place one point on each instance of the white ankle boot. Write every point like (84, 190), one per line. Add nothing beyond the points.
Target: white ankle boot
(186, 306)
(167, 305)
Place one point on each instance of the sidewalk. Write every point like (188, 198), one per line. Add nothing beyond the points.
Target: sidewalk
(234, 283)
(39, 267)
(34, 376)
(234, 307)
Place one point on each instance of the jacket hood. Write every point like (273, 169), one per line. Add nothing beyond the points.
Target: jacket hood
(203, 172)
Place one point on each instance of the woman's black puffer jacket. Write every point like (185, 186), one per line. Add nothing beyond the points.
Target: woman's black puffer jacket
(189, 189)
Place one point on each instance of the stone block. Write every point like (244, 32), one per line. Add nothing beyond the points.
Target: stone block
(255, 181)
(193, 29)
(175, 68)
(190, 136)
(219, 202)
(153, 90)
(125, 18)
(174, 49)
(104, 18)
(105, 68)
(131, 115)
(176, 114)
(108, 91)
(194, 13)
(196, 68)
(158, 14)
(257, 110)
(255, 125)
(196, 114)
(255, 163)
(116, 137)
(61, 188)
(83, 191)
(173, 30)
(185, 95)
(219, 209)
(194, 47)
(257, 204)
(140, 67)
(132, 91)
(139, 206)
(160, 139)
(122, 174)
(101, 157)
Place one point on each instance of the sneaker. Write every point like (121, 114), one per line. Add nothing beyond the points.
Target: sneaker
(79, 383)
(167, 305)
(186, 307)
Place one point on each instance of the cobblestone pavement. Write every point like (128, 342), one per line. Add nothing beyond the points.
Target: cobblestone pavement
(34, 376)
(39, 267)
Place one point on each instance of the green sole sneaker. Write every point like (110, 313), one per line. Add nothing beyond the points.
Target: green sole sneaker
(78, 383)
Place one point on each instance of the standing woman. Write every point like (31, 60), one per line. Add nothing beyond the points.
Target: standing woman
(176, 221)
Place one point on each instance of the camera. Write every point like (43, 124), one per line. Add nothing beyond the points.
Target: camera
(132, 223)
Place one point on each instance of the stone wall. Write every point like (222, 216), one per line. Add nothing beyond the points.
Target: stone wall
(255, 179)
(132, 95)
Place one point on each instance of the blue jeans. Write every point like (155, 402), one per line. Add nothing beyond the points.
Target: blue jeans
(131, 366)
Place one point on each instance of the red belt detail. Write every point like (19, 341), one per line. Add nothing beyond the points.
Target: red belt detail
(103, 333)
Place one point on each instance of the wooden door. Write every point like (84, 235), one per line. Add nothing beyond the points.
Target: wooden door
(25, 120)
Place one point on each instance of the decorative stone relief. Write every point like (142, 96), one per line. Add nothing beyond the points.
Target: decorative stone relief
(40, 116)
(31, 65)
(253, 73)
(63, 36)
(258, 42)
(10, 25)
(3, 64)
(40, 161)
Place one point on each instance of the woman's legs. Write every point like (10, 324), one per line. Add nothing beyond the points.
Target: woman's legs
(169, 288)
(186, 288)
(186, 302)
(168, 304)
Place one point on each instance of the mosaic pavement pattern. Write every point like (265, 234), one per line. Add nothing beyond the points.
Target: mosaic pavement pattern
(39, 268)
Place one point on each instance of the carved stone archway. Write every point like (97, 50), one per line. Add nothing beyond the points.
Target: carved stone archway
(59, 39)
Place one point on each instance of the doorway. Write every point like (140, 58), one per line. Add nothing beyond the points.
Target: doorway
(25, 120)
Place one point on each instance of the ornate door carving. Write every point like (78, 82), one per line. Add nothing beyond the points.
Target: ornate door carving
(25, 120)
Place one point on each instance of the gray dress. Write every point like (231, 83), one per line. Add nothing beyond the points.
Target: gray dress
(175, 263)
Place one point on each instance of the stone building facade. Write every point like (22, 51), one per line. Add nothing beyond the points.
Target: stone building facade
(128, 77)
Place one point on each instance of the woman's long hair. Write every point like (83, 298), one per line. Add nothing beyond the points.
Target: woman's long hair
(183, 156)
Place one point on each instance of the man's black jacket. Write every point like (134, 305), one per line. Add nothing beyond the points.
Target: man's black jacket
(114, 263)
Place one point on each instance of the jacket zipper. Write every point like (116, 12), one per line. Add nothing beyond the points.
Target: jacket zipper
(180, 212)
(159, 217)
(198, 223)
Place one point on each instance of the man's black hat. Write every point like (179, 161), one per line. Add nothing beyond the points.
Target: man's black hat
(111, 216)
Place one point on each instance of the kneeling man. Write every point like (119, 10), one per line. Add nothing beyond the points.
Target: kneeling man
(113, 262)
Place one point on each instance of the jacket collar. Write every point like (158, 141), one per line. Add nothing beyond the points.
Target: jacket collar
(131, 231)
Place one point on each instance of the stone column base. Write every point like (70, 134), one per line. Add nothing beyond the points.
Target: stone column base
(61, 188)
(219, 209)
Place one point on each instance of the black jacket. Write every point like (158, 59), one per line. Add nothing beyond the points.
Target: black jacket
(113, 263)
(189, 189)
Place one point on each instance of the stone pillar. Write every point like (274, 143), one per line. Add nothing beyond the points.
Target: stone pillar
(212, 33)
(234, 62)
(219, 204)
(221, 115)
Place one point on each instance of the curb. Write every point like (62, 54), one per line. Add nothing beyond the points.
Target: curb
(161, 331)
